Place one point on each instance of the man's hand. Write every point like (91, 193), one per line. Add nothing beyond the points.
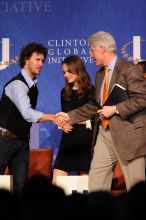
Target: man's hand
(61, 118)
(67, 127)
(63, 114)
(107, 111)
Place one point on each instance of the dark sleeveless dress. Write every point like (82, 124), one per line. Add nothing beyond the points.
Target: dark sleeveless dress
(74, 152)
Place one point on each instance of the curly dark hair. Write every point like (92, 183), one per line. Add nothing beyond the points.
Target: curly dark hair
(29, 49)
(76, 65)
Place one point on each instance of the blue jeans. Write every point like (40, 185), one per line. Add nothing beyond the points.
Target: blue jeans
(14, 153)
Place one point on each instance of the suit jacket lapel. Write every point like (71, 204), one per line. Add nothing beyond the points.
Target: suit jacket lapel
(99, 81)
(116, 74)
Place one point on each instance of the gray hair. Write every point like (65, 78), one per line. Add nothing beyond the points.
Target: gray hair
(104, 39)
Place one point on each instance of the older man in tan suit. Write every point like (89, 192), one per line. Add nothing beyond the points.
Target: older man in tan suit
(124, 137)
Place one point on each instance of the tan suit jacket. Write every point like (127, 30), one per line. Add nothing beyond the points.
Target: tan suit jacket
(128, 129)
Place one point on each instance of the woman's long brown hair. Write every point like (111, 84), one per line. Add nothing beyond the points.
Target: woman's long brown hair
(77, 66)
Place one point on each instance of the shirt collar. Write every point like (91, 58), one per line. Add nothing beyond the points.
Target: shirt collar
(28, 79)
(112, 63)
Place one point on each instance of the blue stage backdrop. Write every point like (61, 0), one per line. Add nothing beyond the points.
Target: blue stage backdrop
(63, 27)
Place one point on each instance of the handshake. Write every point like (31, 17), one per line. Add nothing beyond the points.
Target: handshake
(62, 120)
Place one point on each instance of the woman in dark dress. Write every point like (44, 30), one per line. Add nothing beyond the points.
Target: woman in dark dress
(74, 152)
